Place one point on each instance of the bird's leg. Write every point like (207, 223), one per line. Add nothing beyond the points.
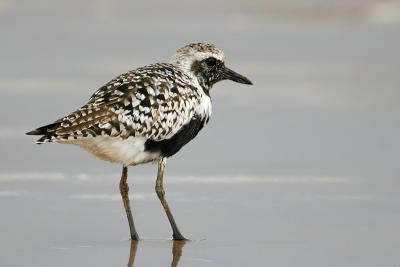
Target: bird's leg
(161, 195)
(124, 189)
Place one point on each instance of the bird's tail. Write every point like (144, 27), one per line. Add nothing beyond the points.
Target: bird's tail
(48, 132)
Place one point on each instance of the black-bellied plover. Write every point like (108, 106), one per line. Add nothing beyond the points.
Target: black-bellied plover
(146, 115)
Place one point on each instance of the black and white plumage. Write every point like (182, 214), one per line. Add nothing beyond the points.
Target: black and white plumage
(149, 113)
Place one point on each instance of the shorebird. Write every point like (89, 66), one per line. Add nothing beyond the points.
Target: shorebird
(146, 115)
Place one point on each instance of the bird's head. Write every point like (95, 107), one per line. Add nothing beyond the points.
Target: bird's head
(206, 62)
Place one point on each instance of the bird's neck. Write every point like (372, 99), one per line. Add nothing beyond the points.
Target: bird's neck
(202, 82)
(205, 85)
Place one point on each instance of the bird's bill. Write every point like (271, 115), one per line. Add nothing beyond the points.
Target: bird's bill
(234, 76)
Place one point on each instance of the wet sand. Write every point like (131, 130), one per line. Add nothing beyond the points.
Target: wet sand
(78, 220)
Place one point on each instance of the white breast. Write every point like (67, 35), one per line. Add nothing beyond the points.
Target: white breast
(128, 151)
(204, 109)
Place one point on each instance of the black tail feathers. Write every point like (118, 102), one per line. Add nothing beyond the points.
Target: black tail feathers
(44, 130)
(47, 131)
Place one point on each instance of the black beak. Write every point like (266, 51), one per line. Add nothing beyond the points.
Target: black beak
(234, 76)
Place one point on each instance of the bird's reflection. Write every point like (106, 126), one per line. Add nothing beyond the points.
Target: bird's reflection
(177, 247)
(177, 251)
(132, 253)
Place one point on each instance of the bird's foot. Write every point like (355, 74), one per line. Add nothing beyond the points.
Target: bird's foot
(179, 236)
(135, 236)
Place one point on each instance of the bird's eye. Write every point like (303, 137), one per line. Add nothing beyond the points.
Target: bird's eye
(211, 61)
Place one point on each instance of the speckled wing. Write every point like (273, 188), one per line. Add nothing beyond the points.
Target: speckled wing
(152, 102)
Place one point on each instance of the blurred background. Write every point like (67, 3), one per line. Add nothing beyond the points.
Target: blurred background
(314, 141)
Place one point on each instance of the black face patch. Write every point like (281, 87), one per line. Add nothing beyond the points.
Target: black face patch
(197, 68)
(208, 72)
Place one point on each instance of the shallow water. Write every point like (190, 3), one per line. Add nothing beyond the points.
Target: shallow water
(300, 169)
(251, 221)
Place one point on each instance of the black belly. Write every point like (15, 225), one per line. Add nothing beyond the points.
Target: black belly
(171, 146)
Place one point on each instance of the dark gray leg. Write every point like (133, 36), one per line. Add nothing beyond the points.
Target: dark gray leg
(161, 195)
(124, 189)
